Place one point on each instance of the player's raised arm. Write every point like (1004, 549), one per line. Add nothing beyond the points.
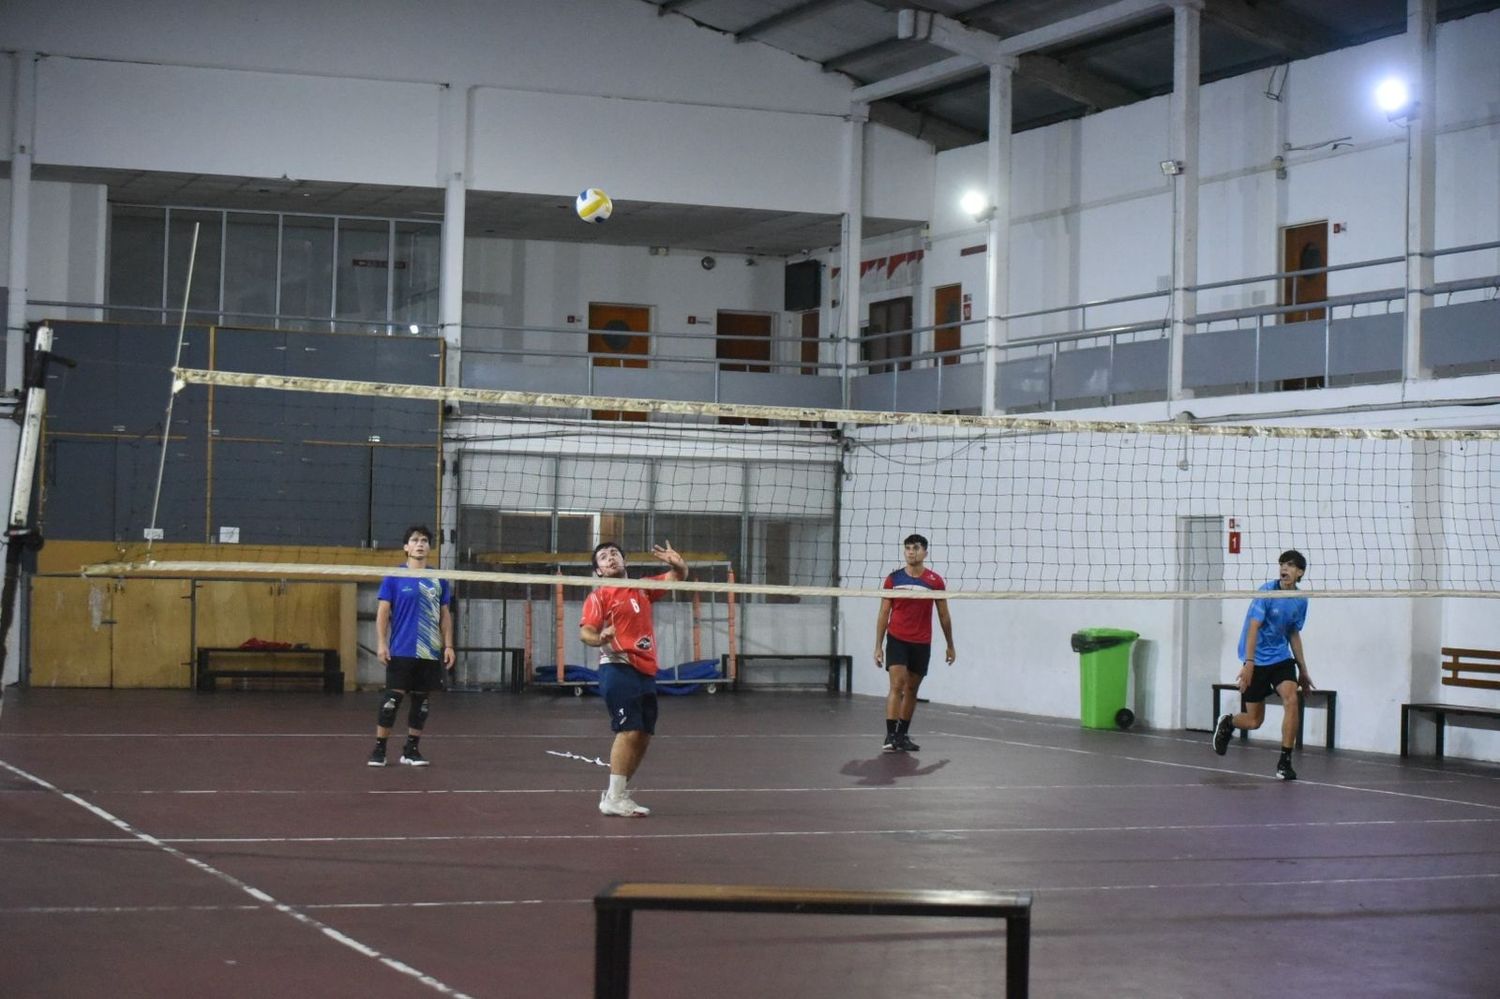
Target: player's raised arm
(664, 552)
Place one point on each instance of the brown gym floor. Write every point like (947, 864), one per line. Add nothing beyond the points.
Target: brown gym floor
(165, 843)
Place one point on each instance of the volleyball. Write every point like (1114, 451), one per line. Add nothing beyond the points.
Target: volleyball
(594, 205)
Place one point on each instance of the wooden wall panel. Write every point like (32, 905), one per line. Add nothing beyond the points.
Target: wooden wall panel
(153, 634)
(70, 632)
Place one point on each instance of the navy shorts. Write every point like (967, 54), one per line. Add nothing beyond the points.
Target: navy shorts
(630, 697)
(420, 675)
(913, 655)
(1265, 679)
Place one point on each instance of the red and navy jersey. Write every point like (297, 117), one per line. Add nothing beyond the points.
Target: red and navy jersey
(911, 620)
(629, 611)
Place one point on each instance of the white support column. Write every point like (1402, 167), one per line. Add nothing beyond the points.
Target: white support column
(853, 239)
(1186, 21)
(997, 239)
(1421, 176)
(453, 173)
(22, 122)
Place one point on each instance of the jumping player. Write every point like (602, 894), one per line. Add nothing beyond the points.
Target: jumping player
(617, 621)
(903, 641)
(414, 628)
(1271, 651)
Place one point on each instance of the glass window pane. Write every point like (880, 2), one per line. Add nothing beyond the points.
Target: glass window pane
(363, 267)
(418, 254)
(250, 269)
(203, 300)
(306, 272)
(137, 240)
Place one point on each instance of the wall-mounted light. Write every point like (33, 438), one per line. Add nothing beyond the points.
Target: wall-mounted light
(1394, 98)
(975, 205)
(1171, 167)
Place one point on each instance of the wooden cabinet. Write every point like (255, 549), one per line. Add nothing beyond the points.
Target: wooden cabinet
(111, 633)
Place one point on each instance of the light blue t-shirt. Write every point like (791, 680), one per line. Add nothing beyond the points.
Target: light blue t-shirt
(1279, 621)
(416, 614)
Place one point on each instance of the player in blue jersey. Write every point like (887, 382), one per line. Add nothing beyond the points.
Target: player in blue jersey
(903, 641)
(414, 626)
(1271, 653)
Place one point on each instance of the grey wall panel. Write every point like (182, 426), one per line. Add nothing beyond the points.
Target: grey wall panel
(79, 489)
(491, 372)
(250, 413)
(1292, 350)
(1462, 336)
(872, 391)
(639, 383)
(960, 386)
(1081, 374)
(1219, 358)
(1140, 368)
(405, 481)
(780, 390)
(1366, 345)
(1025, 383)
(917, 391)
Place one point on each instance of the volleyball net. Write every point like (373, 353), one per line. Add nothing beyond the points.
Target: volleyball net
(785, 510)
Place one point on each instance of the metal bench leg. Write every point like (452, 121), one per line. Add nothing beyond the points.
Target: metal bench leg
(1331, 701)
(1017, 956)
(1439, 717)
(612, 954)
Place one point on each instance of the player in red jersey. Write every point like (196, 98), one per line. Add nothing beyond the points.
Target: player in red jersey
(617, 621)
(903, 641)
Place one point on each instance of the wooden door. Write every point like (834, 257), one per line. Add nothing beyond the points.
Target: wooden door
(743, 337)
(72, 622)
(1302, 247)
(229, 612)
(153, 634)
(947, 311)
(887, 317)
(618, 339)
(810, 342)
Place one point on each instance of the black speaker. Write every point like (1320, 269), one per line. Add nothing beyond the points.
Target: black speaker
(804, 286)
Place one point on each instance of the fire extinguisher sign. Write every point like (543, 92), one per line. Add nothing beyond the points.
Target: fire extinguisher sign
(1233, 527)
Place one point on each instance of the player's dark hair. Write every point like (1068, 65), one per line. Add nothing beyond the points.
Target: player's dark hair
(915, 539)
(1295, 557)
(601, 546)
(421, 529)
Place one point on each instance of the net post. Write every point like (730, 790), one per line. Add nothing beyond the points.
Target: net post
(697, 628)
(558, 601)
(527, 641)
(733, 664)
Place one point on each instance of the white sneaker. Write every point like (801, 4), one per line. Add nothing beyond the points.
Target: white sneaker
(622, 806)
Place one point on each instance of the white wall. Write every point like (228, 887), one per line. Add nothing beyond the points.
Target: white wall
(66, 258)
(1091, 211)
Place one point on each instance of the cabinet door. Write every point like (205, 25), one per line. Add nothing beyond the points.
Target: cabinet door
(153, 633)
(309, 614)
(71, 622)
(229, 612)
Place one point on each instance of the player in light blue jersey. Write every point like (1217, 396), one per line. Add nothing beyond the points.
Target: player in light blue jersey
(1271, 655)
(414, 628)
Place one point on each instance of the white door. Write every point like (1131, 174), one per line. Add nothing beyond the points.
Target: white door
(1200, 560)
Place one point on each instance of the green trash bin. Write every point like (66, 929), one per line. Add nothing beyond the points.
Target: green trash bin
(1104, 676)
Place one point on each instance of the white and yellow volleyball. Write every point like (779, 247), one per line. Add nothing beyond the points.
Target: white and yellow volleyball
(594, 205)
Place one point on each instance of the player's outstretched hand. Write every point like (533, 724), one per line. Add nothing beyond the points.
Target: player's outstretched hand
(664, 552)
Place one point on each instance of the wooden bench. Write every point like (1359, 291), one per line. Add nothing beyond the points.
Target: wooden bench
(1456, 664)
(1330, 701)
(331, 677)
(614, 906)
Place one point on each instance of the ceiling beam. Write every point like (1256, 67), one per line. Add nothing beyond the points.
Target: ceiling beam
(808, 8)
(939, 131)
(668, 6)
(849, 58)
(918, 79)
(1280, 30)
(1089, 89)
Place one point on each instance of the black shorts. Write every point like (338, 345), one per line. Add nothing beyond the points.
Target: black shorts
(1266, 679)
(629, 697)
(913, 655)
(406, 673)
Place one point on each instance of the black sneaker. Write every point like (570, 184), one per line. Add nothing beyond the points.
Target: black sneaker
(1284, 769)
(412, 757)
(377, 757)
(889, 746)
(906, 745)
(1222, 732)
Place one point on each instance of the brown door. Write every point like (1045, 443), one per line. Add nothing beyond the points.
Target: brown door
(1304, 247)
(810, 342)
(946, 310)
(885, 317)
(742, 337)
(617, 339)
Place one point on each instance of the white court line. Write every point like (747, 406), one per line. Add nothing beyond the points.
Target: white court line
(771, 833)
(248, 889)
(1239, 886)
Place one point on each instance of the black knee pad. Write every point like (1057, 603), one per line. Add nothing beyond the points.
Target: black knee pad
(390, 701)
(416, 715)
